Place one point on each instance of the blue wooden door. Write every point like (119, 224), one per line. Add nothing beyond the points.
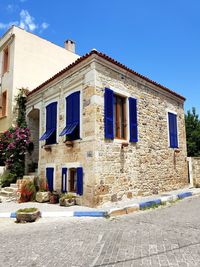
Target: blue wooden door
(49, 175)
(64, 180)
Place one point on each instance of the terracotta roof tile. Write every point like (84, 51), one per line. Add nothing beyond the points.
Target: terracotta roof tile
(104, 56)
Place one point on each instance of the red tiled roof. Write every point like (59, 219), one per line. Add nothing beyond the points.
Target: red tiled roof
(104, 56)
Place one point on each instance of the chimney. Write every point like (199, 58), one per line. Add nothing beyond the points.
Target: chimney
(70, 45)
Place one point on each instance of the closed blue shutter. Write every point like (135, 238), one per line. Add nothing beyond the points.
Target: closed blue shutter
(49, 175)
(72, 129)
(109, 113)
(80, 181)
(64, 180)
(173, 135)
(133, 119)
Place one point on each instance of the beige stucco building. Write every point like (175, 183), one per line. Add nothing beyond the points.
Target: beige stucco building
(26, 60)
(107, 132)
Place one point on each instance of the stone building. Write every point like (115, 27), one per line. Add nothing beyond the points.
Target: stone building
(27, 60)
(107, 132)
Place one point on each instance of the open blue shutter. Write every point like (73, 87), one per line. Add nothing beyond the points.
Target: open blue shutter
(76, 110)
(51, 122)
(133, 119)
(64, 180)
(72, 128)
(173, 135)
(49, 175)
(109, 113)
(80, 181)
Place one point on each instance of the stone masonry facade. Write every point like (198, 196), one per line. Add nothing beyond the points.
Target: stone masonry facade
(195, 171)
(113, 169)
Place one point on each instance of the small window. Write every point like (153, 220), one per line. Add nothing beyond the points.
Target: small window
(5, 59)
(173, 132)
(120, 117)
(4, 104)
(72, 182)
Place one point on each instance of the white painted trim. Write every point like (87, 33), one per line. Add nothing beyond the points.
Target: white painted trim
(69, 166)
(77, 89)
(51, 165)
(120, 91)
(46, 103)
(175, 113)
(189, 159)
(127, 96)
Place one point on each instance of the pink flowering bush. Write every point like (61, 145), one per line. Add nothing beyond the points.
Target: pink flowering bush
(14, 144)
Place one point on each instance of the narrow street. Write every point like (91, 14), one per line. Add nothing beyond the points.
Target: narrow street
(168, 236)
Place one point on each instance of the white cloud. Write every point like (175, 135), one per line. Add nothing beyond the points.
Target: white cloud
(4, 26)
(10, 8)
(26, 22)
(44, 25)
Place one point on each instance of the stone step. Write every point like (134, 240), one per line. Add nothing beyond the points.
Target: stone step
(31, 177)
(4, 193)
(9, 189)
(13, 185)
(33, 173)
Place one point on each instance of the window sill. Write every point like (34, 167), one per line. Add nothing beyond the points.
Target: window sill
(3, 117)
(121, 141)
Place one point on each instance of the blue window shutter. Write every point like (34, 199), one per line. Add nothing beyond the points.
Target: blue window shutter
(51, 122)
(109, 113)
(173, 134)
(49, 175)
(80, 181)
(64, 180)
(72, 116)
(133, 120)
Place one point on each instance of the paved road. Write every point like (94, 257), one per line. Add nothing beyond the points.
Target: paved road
(169, 236)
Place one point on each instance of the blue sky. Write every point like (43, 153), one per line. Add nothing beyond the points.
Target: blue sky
(159, 39)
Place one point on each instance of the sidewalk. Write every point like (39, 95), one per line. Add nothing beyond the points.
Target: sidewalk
(8, 209)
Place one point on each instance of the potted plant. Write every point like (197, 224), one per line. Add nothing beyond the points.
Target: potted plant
(67, 200)
(68, 142)
(27, 215)
(53, 197)
(42, 195)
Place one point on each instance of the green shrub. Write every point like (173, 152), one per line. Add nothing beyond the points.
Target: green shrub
(7, 178)
(27, 210)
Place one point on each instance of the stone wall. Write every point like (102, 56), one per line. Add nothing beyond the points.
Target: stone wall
(148, 166)
(195, 171)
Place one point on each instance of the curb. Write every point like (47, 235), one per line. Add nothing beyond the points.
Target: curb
(112, 212)
(59, 214)
(148, 204)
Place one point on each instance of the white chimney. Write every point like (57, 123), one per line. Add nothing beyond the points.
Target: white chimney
(70, 45)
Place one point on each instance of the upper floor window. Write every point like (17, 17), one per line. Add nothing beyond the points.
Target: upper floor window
(5, 60)
(72, 128)
(173, 130)
(120, 117)
(4, 104)
(50, 134)
(115, 121)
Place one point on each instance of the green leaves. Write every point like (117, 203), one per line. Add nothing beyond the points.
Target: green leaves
(193, 133)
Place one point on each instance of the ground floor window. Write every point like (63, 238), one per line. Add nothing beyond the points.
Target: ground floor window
(72, 180)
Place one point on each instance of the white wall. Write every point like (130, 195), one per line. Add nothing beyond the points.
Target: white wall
(33, 60)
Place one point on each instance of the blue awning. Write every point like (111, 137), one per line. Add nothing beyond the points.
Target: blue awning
(47, 134)
(69, 129)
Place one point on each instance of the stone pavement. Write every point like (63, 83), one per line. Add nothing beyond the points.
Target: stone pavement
(162, 237)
